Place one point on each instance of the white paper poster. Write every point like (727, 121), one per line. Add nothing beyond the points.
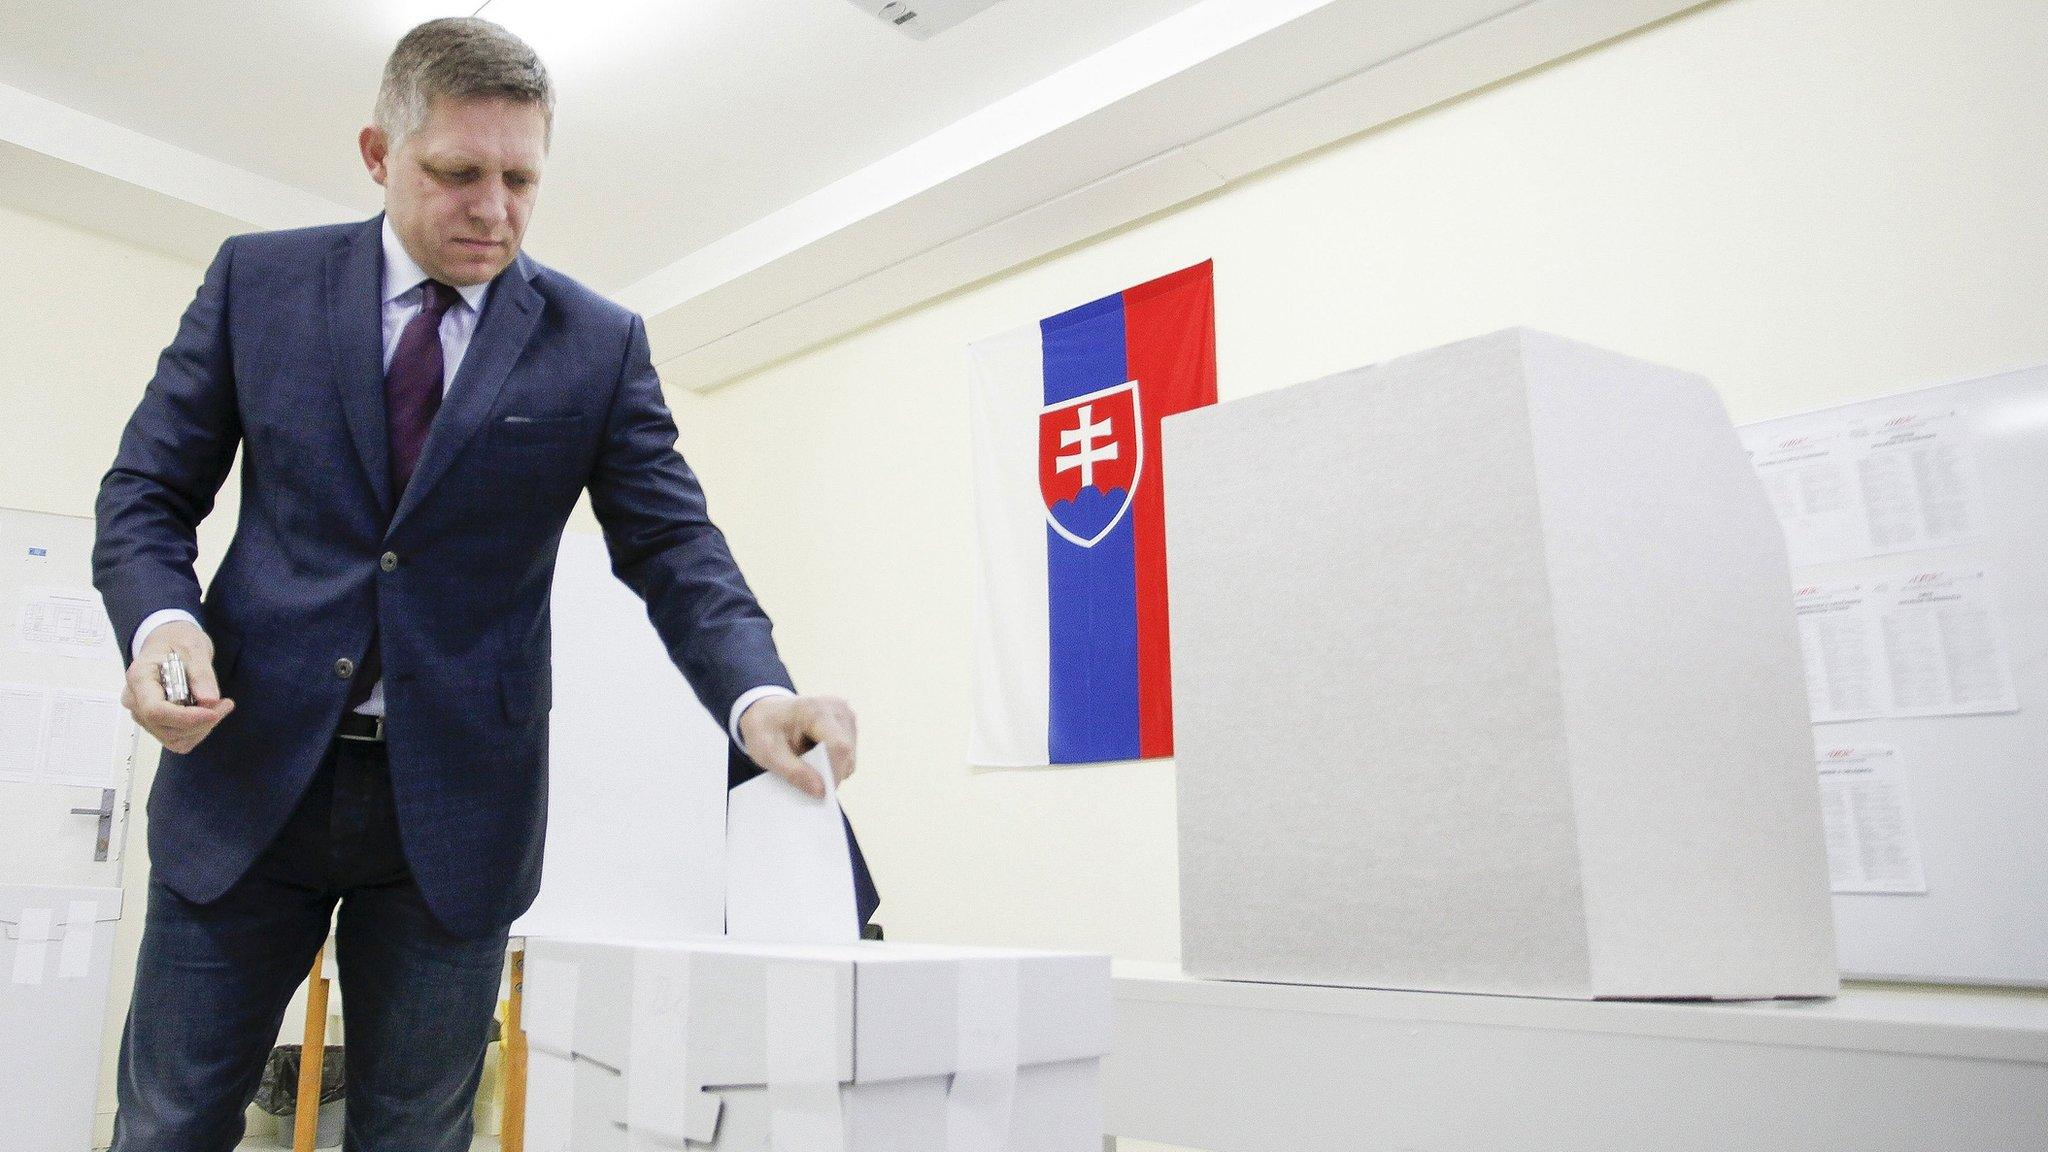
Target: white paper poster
(1871, 487)
(21, 732)
(79, 733)
(1913, 473)
(1872, 845)
(61, 736)
(1839, 638)
(1942, 646)
(64, 622)
(1918, 644)
(1812, 485)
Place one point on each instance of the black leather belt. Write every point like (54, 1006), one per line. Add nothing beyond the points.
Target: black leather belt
(356, 726)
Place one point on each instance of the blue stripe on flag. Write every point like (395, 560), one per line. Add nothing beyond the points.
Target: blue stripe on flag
(1084, 349)
(1091, 593)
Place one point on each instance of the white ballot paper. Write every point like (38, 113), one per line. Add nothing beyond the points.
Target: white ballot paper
(1871, 843)
(788, 873)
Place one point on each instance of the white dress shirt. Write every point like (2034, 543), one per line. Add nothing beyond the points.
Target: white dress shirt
(404, 296)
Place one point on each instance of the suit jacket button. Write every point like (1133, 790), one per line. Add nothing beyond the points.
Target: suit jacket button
(344, 667)
(389, 561)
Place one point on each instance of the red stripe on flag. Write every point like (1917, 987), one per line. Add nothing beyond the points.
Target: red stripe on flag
(1170, 345)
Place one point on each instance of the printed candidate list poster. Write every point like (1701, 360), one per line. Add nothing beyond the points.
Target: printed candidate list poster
(1942, 645)
(1872, 846)
(1913, 472)
(1871, 487)
(1812, 485)
(1916, 644)
(1844, 654)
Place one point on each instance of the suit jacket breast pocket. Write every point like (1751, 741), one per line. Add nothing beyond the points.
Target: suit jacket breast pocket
(537, 431)
(533, 453)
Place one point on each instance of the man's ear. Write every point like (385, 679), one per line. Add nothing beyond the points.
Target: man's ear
(376, 150)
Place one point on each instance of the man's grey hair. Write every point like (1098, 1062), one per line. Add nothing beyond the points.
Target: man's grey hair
(460, 57)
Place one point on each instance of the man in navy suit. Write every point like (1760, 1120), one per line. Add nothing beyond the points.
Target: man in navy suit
(418, 406)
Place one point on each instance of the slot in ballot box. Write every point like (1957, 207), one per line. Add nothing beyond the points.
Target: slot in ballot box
(1486, 679)
(742, 1047)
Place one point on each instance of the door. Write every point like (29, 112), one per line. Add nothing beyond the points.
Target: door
(67, 751)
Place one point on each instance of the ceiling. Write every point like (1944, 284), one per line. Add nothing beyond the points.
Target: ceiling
(754, 176)
(678, 120)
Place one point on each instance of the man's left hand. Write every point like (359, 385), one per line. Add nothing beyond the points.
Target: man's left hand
(777, 730)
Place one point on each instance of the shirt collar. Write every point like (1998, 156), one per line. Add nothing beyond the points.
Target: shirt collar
(402, 273)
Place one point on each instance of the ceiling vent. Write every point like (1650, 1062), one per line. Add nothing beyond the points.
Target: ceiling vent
(923, 19)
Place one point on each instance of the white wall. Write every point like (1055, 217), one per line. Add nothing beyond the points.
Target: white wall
(1809, 201)
(82, 318)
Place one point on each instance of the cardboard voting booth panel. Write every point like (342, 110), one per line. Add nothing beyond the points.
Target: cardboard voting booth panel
(1486, 679)
(739, 1047)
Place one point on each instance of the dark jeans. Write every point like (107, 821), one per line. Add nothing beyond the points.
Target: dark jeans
(213, 981)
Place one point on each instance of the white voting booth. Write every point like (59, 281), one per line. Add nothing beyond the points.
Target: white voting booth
(1530, 602)
(1528, 599)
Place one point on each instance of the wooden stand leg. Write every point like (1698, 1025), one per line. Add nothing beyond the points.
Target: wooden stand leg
(512, 1124)
(311, 1058)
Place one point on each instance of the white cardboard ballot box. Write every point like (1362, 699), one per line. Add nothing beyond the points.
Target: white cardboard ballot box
(1486, 679)
(710, 1043)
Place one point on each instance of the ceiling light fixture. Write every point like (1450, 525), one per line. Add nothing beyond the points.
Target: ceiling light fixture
(923, 19)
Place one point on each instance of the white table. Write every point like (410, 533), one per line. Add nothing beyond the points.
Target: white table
(1238, 1067)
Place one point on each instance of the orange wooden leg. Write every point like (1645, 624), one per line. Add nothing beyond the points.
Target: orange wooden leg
(311, 1058)
(512, 1124)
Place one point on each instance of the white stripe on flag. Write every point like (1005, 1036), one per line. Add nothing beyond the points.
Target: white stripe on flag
(1006, 382)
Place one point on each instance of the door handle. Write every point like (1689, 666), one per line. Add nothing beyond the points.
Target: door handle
(106, 814)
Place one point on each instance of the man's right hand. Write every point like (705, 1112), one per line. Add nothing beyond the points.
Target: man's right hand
(178, 727)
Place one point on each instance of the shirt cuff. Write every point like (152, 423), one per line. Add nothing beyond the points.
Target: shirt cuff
(151, 622)
(739, 706)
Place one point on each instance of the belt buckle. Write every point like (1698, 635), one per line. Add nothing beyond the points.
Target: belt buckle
(376, 735)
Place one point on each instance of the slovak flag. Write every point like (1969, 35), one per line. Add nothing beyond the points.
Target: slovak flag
(1072, 660)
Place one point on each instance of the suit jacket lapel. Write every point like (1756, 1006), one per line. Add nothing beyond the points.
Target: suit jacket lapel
(510, 315)
(355, 327)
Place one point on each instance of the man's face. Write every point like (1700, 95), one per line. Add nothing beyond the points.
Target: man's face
(458, 189)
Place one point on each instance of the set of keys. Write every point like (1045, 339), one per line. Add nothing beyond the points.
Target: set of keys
(177, 687)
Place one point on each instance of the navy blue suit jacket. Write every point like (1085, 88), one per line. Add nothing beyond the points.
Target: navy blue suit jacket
(281, 354)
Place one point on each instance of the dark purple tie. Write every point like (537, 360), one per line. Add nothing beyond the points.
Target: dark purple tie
(412, 394)
(412, 385)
